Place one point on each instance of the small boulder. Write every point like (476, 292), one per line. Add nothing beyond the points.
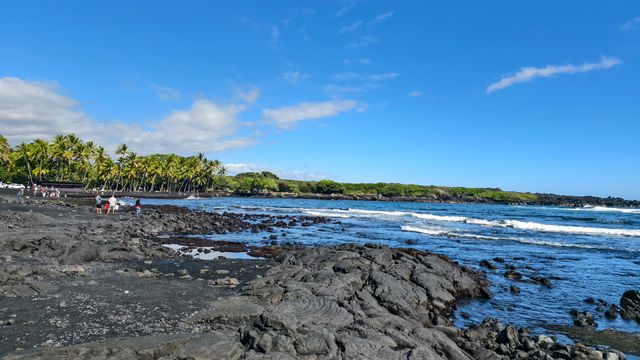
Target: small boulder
(488, 264)
(512, 275)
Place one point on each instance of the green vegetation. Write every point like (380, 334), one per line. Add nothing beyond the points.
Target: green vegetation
(67, 158)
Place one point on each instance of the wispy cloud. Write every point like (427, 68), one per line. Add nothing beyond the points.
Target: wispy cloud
(527, 74)
(354, 82)
(166, 93)
(363, 41)
(286, 117)
(382, 17)
(415, 93)
(361, 61)
(345, 7)
(274, 37)
(337, 90)
(633, 24)
(294, 77)
(350, 28)
(248, 94)
(354, 76)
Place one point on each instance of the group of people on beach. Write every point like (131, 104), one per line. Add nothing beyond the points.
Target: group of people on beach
(112, 206)
(38, 190)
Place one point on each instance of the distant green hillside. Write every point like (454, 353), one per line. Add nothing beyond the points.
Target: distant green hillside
(264, 182)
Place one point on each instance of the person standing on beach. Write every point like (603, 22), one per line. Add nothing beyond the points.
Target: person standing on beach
(98, 204)
(138, 208)
(112, 204)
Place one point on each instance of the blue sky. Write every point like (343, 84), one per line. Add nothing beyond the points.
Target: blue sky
(533, 96)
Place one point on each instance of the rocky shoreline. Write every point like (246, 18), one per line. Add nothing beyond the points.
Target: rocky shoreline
(76, 285)
(542, 199)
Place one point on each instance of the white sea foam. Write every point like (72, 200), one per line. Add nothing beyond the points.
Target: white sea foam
(533, 226)
(515, 224)
(353, 213)
(608, 209)
(435, 232)
(326, 213)
(426, 231)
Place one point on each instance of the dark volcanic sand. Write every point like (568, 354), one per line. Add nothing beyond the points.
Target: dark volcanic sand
(107, 301)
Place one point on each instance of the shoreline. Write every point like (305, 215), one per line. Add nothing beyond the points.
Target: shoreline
(543, 199)
(54, 251)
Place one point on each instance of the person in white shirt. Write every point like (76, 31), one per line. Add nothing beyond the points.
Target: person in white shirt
(112, 204)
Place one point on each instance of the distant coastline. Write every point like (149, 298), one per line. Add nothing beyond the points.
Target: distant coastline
(541, 199)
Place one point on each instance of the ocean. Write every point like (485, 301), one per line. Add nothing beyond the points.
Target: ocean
(585, 252)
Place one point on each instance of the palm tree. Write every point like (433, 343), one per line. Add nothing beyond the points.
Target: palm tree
(40, 153)
(5, 150)
(23, 153)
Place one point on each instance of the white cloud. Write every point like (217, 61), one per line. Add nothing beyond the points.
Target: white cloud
(274, 37)
(633, 24)
(293, 77)
(32, 109)
(361, 61)
(249, 95)
(415, 93)
(346, 6)
(382, 17)
(237, 168)
(166, 93)
(336, 90)
(384, 76)
(286, 117)
(206, 126)
(350, 28)
(353, 76)
(530, 73)
(363, 41)
(353, 82)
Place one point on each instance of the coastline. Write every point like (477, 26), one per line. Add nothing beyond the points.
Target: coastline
(398, 301)
(543, 199)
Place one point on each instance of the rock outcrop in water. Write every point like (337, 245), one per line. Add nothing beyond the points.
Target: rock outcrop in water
(630, 305)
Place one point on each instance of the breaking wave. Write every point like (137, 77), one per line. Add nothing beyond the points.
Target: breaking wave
(514, 224)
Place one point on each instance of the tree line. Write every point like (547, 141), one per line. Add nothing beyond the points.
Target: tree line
(66, 158)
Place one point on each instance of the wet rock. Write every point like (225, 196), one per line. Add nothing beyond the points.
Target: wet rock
(630, 305)
(512, 275)
(544, 281)
(498, 260)
(583, 318)
(590, 300)
(612, 312)
(488, 264)
(508, 336)
(514, 289)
